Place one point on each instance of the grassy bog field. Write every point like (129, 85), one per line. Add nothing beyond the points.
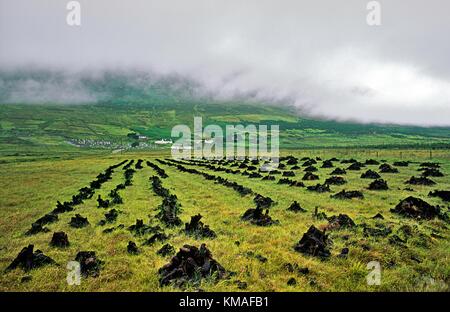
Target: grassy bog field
(262, 231)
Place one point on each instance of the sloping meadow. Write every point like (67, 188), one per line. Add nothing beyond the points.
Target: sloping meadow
(145, 222)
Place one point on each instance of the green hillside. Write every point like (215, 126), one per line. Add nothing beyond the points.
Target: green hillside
(135, 103)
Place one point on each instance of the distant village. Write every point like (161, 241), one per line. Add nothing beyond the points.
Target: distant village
(133, 141)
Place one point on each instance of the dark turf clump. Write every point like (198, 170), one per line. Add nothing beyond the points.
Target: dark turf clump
(370, 174)
(157, 237)
(295, 207)
(78, 221)
(46, 219)
(35, 229)
(386, 168)
(89, 264)
(348, 195)
(59, 239)
(254, 175)
(432, 172)
(309, 176)
(401, 163)
(338, 171)
(263, 201)
(139, 228)
(268, 178)
(378, 185)
(335, 180)
(314, 243)
(309, 162)
(289, 174)
(28, 260)
(416, 208)
(132, 249)
(166, 250)
(420, 181)
(430, 165)
(257, 217)
(319, 188)
(62, 207)
(310, 169)
(102, 203)
(327, 164)
(340, 221)
(372, 162)
(197, 229)
(355, 166)
(190, 264)
(444, 195)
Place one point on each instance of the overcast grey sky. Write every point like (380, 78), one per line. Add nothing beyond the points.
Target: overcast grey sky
(320, 55)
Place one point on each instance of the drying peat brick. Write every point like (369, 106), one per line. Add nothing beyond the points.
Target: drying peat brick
(263, 201)
(310, 169)
(295, 167)
(102, 203)
(420, 181)
(338, 171)
(139, 228)
(378, 216)
(257, 217)
(289, 174)
(295, 207)
(268, 178)
(416, 208)
(444, 195)
(27, 259)
(189, 265)
(132, 249)
(327, 164)
(292, 161)
(254, 175)
(89, 264)
(197, 229)
(166, 250)
(320, 188)
(348, 195)
(348, 161)
(370, 174)
(309, 176)
(36, 228)
(59, 239)
(335, 180)
(378, 185)
(157, 237)
(309, 162)
(139, 164)
(386, 168)
(372, 162)
(340, 221)
(356, 166)
(431, 172)
(401, 163)
(430, 165)
(61, 208)
(314, 243)
(46, 219)
(78, 221)
(111, 215)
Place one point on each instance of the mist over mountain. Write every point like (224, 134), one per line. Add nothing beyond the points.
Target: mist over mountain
(320, 57)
